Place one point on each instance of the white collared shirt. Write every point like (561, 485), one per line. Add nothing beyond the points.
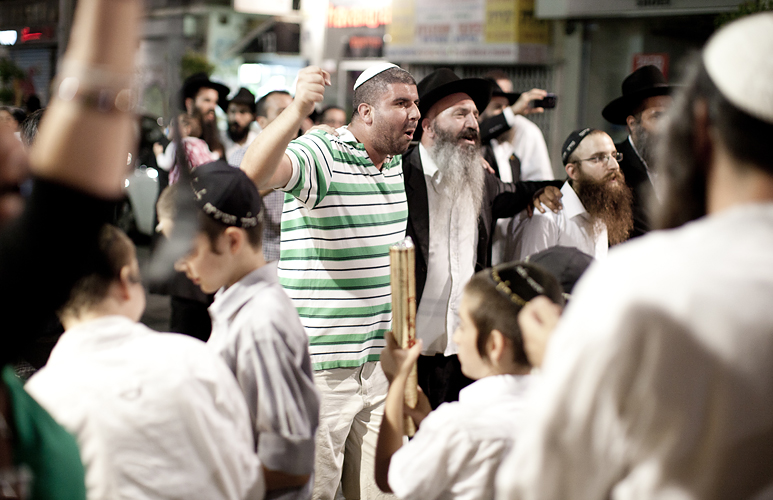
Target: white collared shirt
(570, 227)
(658, 381)
(156, 415)
(258, 333)
(459, 446)
(452, 251)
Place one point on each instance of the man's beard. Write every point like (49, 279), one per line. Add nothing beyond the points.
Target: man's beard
(644, 142)
(463, 174)
(610, 204)
(237, 133)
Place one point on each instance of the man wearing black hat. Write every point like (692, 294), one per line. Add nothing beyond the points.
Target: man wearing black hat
(645, 99)
(200, 96)
(452, 203)
(239, 135)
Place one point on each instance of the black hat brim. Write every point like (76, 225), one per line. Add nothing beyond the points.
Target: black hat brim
(620, 109)
(190, 89)
(478, 89)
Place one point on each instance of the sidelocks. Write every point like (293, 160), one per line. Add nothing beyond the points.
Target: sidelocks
(402, 264)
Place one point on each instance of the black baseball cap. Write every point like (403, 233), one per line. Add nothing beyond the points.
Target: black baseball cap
(226, 194)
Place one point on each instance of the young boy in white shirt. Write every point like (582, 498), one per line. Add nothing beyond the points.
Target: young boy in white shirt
(458, 447)
(156, 415)
(255, 327)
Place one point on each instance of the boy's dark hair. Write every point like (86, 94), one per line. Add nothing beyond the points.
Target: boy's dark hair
(260, 106)
(29, 127)
(116, 250)
(370, 91)
(213, 229)
(500, 294)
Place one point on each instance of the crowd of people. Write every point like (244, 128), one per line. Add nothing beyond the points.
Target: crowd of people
(651, 377)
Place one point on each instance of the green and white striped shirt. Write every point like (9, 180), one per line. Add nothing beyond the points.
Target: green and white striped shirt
(340, 216)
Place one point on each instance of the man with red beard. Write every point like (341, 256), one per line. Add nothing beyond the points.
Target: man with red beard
(452, 205)
(596, 202)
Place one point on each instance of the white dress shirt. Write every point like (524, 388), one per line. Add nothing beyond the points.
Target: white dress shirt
(156, 415)
(452, 247)
(459, 446)
(570, 227)
(658, 380)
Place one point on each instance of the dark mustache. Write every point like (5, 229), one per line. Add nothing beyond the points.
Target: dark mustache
(469, 133)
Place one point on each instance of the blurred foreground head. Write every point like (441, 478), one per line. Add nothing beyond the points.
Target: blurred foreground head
(724, 111)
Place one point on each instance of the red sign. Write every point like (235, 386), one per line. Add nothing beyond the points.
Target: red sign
(660, 60)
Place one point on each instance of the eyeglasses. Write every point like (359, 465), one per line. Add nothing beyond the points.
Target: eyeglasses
(603, 158)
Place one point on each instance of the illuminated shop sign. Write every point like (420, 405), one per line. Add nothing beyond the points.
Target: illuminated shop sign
(358, 17)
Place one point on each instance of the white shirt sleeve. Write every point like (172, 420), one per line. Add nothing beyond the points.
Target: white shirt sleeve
(217, 421)
(166, 159)
(532, 235)
(283, 401)
(428, 464)
(530, 147)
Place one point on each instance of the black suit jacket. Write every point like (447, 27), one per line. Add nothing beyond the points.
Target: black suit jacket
(500, 200)
(637, 179)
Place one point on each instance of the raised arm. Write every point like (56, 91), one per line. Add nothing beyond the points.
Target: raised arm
(80, 145)
(265, 161)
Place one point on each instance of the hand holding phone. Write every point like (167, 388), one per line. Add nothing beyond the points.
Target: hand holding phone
(549, 102)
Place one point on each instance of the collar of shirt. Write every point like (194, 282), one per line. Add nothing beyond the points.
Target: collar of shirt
(430, 167)
(229, 300)
(344, 135)
(571, 202)
(93, 336)
(492, 388)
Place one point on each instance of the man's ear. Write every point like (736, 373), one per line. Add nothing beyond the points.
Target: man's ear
(495, 346)
(572, 170)
(630, 121)
(235, 238)
(262, 121)
(189, 105)
(125, 281)
(426, 128)
(365, 112)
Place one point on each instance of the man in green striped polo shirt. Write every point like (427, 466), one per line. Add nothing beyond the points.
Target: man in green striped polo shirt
(345, 205)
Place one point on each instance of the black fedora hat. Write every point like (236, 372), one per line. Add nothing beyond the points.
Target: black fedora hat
(193, 83)
(245, 97)
(498, 92)
(647, 81)
(444, 82)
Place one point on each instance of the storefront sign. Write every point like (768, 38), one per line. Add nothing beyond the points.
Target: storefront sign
(660, 60)
(467, 31)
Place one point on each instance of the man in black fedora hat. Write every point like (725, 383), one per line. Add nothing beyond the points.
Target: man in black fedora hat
(452, 203)
(239, 135)
(200, 96)
(646, 97)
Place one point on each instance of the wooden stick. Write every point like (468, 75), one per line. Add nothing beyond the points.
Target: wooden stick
(403, 282)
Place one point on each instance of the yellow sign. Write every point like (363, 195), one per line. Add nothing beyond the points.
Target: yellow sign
(402, 29)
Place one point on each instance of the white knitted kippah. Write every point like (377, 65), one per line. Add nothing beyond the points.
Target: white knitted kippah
(739, 60)
(373, 71)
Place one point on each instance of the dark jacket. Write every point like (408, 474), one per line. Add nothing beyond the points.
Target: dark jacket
(637, 179)
(500, 200)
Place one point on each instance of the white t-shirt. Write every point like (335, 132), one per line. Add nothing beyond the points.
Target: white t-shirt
(156, 415)
(458, 449)
(658, 380)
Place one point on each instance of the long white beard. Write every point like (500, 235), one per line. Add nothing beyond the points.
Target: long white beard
(463, 176)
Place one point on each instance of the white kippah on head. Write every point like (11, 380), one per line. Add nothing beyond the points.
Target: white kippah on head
(373, 71)
(739, 60)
